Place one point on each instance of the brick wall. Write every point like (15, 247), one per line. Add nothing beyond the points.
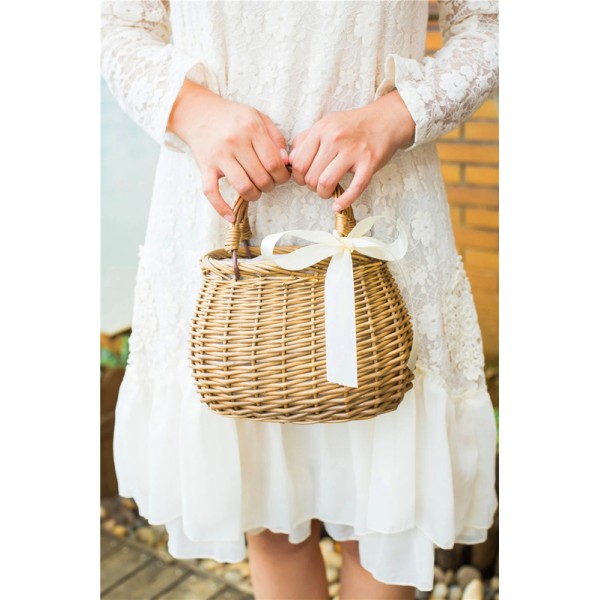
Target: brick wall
(469, 156)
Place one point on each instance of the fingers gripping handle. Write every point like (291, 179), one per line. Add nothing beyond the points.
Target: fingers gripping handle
(240, 231)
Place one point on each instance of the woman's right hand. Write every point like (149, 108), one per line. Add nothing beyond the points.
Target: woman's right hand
(229, 139)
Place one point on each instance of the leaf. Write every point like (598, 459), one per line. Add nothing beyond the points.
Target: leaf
(497, 417)
(108, 358)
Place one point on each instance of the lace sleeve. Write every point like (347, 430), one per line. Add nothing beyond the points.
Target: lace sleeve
(443, 90)
(142, 68)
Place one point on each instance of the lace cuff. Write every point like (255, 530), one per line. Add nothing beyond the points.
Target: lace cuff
(400, 74)
(143, 69)
(155, 124)
(443, 90)
(197, 73)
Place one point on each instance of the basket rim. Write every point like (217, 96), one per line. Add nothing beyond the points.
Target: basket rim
(214, 261)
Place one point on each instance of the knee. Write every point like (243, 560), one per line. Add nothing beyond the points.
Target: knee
(350, 550)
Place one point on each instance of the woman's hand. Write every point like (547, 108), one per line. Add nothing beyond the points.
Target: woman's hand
(360, 141)
(232, 140)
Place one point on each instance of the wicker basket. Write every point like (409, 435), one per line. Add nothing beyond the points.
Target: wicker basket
(257, 343)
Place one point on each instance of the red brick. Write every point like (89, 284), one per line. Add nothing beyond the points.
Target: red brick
(488, 110)
(451, 173)
(434, 41)
(487, 176)
(471, 153)
(484, 219)
(481, 131)
(454, 134)
(481, 259)
(472, 196)
(482, 279)
(476, 238)
(486, 304)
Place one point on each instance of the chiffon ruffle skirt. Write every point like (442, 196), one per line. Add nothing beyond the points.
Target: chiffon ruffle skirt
(401, 483)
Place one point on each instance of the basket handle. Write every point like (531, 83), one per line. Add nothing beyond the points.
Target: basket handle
(239, 230)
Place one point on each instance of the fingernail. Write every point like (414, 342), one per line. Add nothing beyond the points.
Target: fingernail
(292, 153)
(230, 218)
(336, 207)
(284, 155)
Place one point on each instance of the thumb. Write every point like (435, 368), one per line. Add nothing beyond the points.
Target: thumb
(297, 141)
(273, 132)
(300, 138)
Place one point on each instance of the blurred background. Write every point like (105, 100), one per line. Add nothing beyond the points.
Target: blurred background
(128, 159)
(135, 563)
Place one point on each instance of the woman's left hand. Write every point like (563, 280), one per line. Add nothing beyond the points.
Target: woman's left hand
(359, 141)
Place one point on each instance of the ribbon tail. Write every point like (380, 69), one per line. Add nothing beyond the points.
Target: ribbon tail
(376, 248)
(340, 321)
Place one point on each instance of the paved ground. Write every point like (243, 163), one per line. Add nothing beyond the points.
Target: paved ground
(131, 571)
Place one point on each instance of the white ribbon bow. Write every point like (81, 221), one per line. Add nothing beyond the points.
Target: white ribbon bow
(340, 319)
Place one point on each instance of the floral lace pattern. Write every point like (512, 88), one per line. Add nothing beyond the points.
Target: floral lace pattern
(141, 68)
(463, 335)
(442, 91)
(145, 320)
(297, 61)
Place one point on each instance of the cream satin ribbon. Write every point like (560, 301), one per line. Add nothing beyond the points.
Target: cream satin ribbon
(340, 319)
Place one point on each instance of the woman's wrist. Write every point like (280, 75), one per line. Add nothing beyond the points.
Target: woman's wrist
(399, 122)
(185, 108)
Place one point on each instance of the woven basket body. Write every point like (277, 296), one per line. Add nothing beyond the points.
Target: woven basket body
(257, 343)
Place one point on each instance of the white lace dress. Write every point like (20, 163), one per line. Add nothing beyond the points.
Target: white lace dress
(402, 483)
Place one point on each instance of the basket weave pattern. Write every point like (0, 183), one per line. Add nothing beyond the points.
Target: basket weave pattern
(257, 343)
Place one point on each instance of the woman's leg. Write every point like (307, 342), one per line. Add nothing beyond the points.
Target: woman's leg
(281, 570)
(356, 583)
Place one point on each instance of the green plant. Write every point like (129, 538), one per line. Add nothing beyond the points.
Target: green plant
(109, 358)
(497, 415)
